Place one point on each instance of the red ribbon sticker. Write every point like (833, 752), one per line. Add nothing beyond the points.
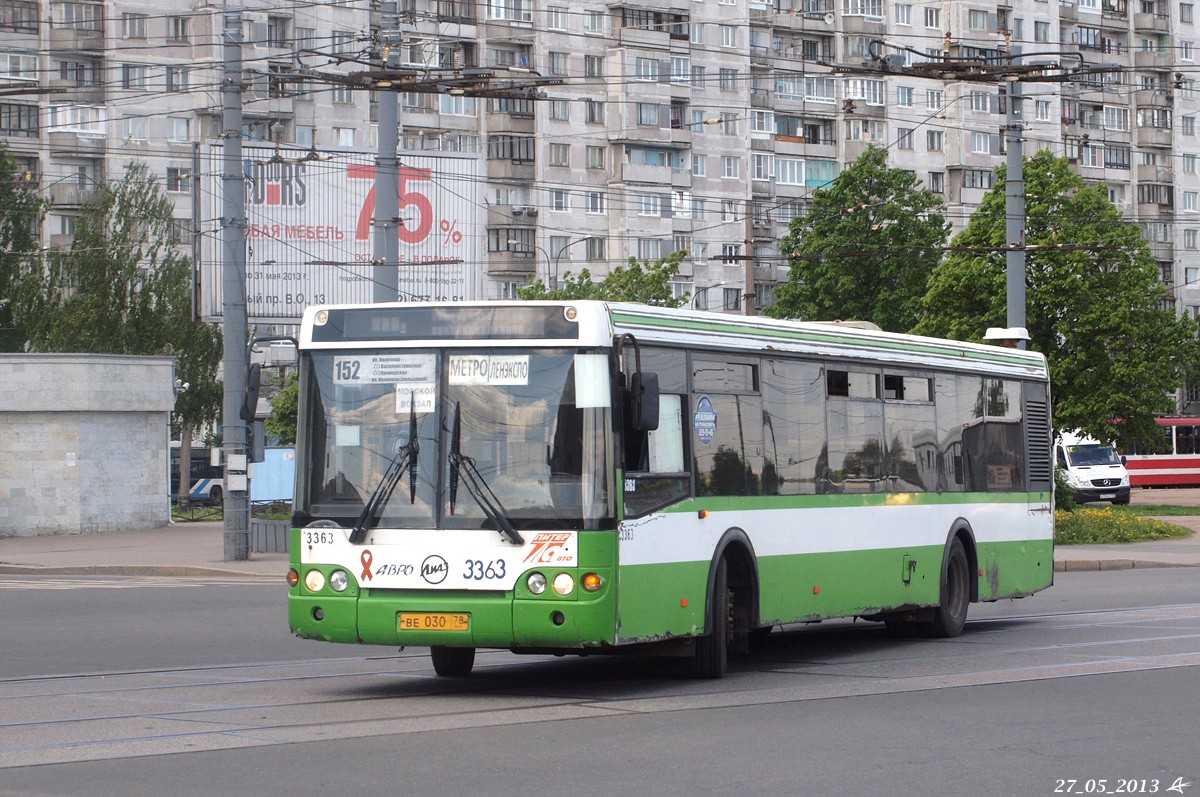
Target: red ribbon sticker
(366, 560)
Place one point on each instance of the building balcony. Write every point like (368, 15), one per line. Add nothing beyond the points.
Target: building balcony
(1152, 137)
(76, 39)
(75, 144)
(1151, 23)
(639, 37)
(1152, 59)
(853, 25)
(1153, 98)
(640, 173)
(511, 264)
(511, 170)
(1154, 174)
(71, 194)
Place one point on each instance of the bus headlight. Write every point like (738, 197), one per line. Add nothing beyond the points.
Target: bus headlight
(339, 580)
(564, 584)
(536, 583)
(314, 580)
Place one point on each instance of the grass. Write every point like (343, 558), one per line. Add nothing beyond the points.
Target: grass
(1109, 524)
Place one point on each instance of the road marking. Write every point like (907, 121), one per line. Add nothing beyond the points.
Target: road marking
(124, 582)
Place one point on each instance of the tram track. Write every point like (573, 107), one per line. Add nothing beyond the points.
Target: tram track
(152, 711)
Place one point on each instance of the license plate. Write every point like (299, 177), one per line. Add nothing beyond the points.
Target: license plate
(434, 621)
(1108, 496)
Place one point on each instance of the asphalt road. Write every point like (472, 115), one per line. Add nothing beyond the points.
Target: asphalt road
(195, 688)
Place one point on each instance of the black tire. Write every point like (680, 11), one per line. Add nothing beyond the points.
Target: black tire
(711, 656)
(452, 662)
(951, 614)
(214, 496)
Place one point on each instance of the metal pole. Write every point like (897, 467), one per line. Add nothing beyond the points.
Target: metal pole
(751, 298)
(386, 242)
(1014, 209)
(233, 289)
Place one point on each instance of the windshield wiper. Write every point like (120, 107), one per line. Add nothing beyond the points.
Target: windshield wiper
(463, 467)
(405, 460)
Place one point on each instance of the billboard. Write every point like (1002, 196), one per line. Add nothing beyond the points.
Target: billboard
(310, 239)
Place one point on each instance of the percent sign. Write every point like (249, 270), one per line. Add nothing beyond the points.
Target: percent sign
(451, 230)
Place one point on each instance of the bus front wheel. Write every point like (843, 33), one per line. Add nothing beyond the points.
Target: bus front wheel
(214, 496)
(711, 656)
(951, 614)
(452, 662)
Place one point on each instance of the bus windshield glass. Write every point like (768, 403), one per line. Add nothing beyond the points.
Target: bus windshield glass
(530, 429)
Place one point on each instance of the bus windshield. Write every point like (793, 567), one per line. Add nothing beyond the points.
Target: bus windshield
(530, 428)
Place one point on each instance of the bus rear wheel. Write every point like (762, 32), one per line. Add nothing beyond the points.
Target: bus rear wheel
(452, 662)
(711, 656)
(951, 614)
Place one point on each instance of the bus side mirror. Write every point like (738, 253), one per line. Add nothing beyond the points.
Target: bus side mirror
(643, 402)
(250, 393)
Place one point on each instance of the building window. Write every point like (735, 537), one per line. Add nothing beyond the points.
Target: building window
(699, 166)
(728, 79)
(133, 26)
(593, 66)
(178, 180)
(559, 110)
(560, 154)
(730, 166)
(904, 96)
(977, 178)
(343, 136)
(558, 63)
(933, 18)
(727, 35)
(556, 17)
(936, 182)
(133, 76)
(761, 167)
(595, 202)
(647, 114)
(1188, 125)
(177, 78)
(18, 120)
(904, 138)
(595, 157)
(595, 249)
(179, 29)
(558, 200)
(646, 69)
(179, 128)
(594, 112)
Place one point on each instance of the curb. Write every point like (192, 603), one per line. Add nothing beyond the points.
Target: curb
(1085, 565)
(168, 571)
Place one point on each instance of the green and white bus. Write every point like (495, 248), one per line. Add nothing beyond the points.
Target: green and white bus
(586, 477)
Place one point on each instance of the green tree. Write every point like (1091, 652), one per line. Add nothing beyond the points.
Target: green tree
(21, 212)
(1094, 302)
(123, 287)
(638, 282)
(285, 405)
(865, 249)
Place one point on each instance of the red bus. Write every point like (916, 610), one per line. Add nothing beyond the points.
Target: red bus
(1174, 463)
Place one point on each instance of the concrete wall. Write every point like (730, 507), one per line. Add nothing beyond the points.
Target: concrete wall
(83, 443)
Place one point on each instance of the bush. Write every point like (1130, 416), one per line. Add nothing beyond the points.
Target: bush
(1106, 525)
(1064, 495)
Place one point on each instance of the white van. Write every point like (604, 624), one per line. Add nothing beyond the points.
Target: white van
(1095, 471)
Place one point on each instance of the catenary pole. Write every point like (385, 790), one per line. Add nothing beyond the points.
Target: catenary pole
(233, 290)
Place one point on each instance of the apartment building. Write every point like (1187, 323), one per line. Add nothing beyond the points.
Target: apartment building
(701, 125)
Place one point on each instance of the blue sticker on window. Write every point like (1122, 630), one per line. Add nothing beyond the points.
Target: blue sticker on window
(705, 420)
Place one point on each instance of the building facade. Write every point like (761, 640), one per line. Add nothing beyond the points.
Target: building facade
(701, 125)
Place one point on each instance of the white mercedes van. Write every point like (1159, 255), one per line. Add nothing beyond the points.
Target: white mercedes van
(1095, 471)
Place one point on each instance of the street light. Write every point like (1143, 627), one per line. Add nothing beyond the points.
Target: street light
(551, 283)
(704, 292)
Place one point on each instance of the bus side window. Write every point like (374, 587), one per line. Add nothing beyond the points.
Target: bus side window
(658, 479)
